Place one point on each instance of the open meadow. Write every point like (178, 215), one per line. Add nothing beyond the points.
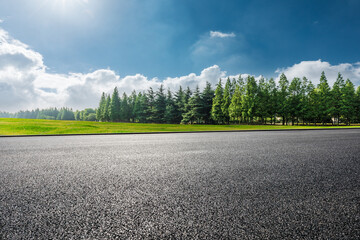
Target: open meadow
(13, 126)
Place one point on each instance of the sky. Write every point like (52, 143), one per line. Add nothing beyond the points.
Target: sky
(57, 53)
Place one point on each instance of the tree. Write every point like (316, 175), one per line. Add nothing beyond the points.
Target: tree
(179, 105)
(263, 100)
(106, 110)
(131, 101)
(206, 97)
(249, 99)
(171, 110)
(226, 101)
(216, 110)
(283, 95)
(99, 111)
(115, 106)
(194, 109)
(324, 99)
(126, 111)
(295, 92)
(336, 97)
(357, 104)
(273, 100)
(235, 108)
(348, 101)
(160, 105)
(150, 105)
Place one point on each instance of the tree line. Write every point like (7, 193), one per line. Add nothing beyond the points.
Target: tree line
(242, 100)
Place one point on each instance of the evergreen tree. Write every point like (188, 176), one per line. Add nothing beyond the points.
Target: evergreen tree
(273, 99)
(207, 97)
(160, 105)
(216, 110)
(249, 99)
(132, 100)
(100, 110)
(171, 111)
(283, 96)
(348, 101)
(115, 113)
(194, 109)
(106, 110)
(357, 105)
(125, 108)
(226, 101)
(263, 100)
(235, 108)
(179, 104)
(150, 105)
(336, 97)
(295, 94)
(324, 99)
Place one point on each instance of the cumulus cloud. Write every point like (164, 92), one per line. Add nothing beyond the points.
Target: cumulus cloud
(312, 70)
(25, 82)
(216, 34)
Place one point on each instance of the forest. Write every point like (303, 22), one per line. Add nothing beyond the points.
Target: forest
(236, 101)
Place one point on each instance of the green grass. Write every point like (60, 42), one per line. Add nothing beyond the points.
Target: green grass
(12, 126)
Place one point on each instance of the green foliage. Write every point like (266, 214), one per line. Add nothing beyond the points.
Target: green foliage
(324, 99)
(283, 95)
(252, 101)
(216, 111)
(226, 100)
(207, 97)
(348, 102)
(115, 111)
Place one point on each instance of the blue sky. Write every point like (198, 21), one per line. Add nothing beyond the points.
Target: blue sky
(158, 38)
(161, 39)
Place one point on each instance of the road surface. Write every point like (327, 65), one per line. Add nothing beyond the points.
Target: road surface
(238, 185)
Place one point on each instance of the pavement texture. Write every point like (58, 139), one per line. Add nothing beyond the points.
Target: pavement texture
(250, 185)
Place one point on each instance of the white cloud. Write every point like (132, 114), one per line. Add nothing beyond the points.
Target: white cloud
(215, 34)
(26, 84)
(1, 21)
(312, 70)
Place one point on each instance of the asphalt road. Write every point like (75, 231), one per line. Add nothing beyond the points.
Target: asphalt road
(249, 185)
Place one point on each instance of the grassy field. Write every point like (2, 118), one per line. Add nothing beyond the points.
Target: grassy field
(11, 126)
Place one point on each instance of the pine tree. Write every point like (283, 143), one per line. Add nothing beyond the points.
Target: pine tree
(125, 108)
(150, 105)
(249, 99)
(295, 99)
(348, 101)
(171, 111)
(283, 96)
(179, 104)
(160, 105)
(216, 111)
(207, 97)
(235, 108)
(132, 100)
(263, 97)
(106, 110)
(99, 111)
(336, 98)
(273, 100)
(194, 109)
(324, 99)
(115, 106)
(357, 105)
(226, 101)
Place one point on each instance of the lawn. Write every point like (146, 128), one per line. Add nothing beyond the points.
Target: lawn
(12, 126)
